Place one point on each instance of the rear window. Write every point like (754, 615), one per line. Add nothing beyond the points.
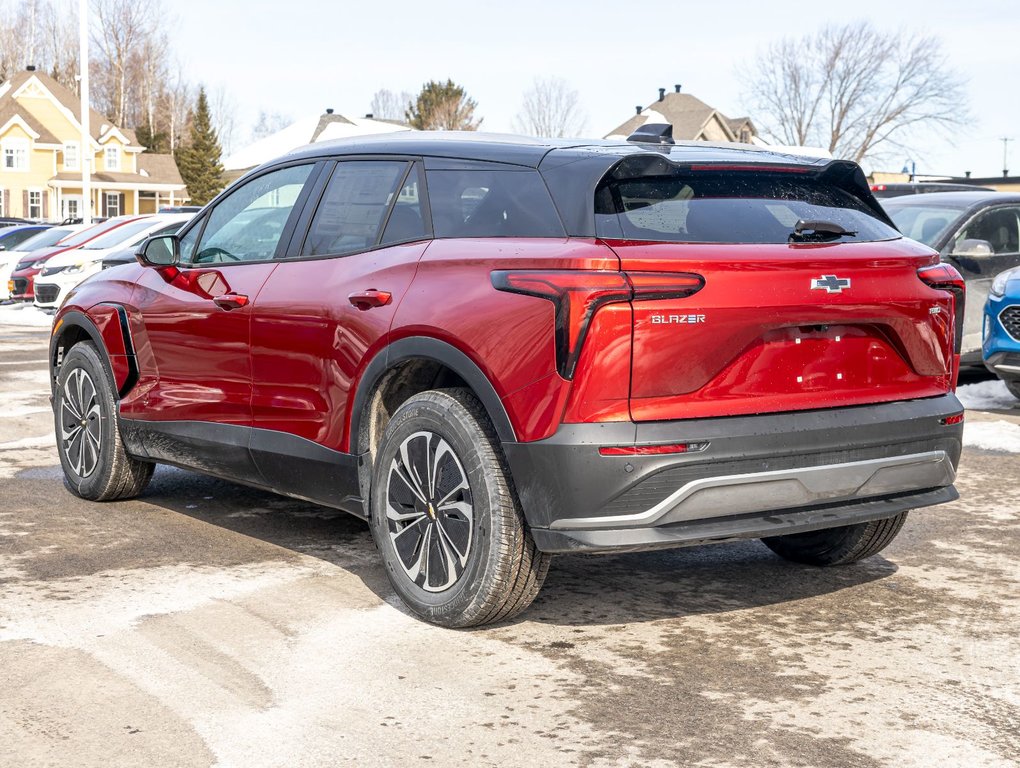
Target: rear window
(491, 203)
(727, 207)
(924, 223)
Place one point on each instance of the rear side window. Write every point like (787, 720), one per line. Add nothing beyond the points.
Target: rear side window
(353, 208)
(728, 207)
(491, 203)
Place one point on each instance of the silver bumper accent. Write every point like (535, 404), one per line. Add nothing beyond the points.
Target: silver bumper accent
(1007, 368)
(727, 495)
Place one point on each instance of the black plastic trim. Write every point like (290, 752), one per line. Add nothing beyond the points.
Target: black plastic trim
(780, 523)
(76, 319)
(416, 347)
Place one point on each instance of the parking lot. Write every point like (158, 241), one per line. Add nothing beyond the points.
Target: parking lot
(209, 624)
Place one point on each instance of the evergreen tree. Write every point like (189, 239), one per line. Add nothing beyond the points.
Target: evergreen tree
(443, 107)
(153, 141)
(199, 158)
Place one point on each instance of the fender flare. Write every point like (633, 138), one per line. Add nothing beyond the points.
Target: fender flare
(80, 320)
(418, 347)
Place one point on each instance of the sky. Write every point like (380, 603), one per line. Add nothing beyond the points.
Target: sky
(298, 57)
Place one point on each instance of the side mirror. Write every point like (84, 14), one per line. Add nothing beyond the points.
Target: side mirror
(162, 251)
(972, 248)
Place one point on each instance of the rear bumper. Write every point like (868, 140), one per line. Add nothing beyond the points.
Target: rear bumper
(759, 475)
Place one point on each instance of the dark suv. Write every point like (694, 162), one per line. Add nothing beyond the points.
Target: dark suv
(494, 350)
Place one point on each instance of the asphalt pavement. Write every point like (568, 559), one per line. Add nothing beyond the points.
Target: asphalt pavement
(209, 624)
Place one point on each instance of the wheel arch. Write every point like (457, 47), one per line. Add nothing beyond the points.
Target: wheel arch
(389, 361)
(106, 326)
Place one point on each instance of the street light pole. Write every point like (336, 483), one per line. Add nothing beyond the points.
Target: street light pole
(85, 153)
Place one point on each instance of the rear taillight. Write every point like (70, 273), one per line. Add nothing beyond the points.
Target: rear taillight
(577, 294)
(944, 277)
(651, 450)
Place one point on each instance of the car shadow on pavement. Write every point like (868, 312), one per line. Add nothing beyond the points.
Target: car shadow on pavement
(580, 589)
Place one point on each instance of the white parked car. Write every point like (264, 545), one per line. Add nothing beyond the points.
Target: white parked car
(45, 239)
(66, 270)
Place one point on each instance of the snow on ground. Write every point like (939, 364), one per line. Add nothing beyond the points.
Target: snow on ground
(986, 394)
(992, 436)
(25, 315)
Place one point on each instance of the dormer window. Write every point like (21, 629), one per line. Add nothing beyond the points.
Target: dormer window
(111, 158)
(15, 155)
(71, 161)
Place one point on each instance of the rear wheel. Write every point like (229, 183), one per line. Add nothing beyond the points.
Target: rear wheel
(445, 516)
(95, 465)
(1013, 387)
(837, 546)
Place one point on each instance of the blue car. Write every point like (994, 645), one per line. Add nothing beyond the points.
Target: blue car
(1001, 335)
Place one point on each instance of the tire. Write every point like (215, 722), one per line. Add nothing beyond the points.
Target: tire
(95, 465)
(468, 561)
(1013, 387)
(837, 546)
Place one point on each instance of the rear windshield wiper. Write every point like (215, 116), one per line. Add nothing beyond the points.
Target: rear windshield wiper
(814, 231)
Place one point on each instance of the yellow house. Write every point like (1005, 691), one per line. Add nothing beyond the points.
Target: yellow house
(41, 156)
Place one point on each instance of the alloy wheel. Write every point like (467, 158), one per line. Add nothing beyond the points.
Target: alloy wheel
(429, 512)
(80, 423)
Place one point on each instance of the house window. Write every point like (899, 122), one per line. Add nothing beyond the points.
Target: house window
(111, 158)
(112, 203)
(35, 204)
(71, 156)
(15, 155)
(3, 203)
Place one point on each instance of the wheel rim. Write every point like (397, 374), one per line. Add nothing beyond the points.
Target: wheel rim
(81, 435)
(429, 512)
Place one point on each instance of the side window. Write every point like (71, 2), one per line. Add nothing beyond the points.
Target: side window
(407, 222)
(187, 246)
(248, 223)
(1000, 227)
(353, 207)
(487, 203)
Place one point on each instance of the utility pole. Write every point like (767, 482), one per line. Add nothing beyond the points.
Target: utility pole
(85, 153)
(1005, 148)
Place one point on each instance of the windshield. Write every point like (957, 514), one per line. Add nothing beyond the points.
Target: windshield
(45, 239)
(924, 223)
(728, 206)
(121, 234)
(87, 234)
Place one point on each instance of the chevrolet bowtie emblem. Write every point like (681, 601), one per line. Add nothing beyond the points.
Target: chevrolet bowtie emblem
(830, 283)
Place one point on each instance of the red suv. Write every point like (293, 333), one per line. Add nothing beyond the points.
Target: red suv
(495, 350)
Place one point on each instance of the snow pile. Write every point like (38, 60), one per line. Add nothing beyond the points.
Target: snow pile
(26, 315)
(985, 395)
(992, 436)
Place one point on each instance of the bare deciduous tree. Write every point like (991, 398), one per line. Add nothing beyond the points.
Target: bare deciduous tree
(550, 108)
(387, 105)
(121, 30)
(268, 124)
(223, 110)
(855, 90)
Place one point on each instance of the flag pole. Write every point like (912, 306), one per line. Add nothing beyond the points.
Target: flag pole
(85, 154)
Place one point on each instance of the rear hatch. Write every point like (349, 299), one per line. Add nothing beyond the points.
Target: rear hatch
(810, 299)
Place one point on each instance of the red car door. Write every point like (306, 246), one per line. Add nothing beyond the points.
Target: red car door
(322, 315)
(195, 375)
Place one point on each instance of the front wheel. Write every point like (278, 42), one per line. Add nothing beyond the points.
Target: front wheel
(837, 546)
(95, 465)
(445, 516)
(1013, 387)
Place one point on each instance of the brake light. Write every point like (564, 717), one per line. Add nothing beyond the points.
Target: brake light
(878, 187)
(755, 168)
(944, 277)
(577, 294)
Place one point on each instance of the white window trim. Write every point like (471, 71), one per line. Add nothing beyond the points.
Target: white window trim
(107, 165)
(75, 147)
(3, 203)
(28, 213)
(115, 196)
(14, 144)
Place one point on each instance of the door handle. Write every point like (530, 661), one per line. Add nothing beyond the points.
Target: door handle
(365, 300)
(230, 300)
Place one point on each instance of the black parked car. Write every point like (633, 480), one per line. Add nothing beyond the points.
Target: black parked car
(977, 232)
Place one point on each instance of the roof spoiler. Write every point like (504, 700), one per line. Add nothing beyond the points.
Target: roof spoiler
(653, 133)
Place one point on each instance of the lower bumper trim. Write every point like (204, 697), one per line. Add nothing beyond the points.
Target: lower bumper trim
(754, 526)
